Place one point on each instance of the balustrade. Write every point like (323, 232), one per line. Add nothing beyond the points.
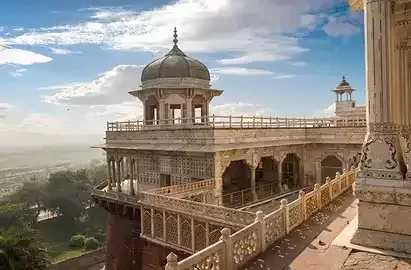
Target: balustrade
(235, 250)
(215, 121)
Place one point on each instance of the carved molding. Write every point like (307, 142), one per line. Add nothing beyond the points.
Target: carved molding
(380, 153)
(382, 195)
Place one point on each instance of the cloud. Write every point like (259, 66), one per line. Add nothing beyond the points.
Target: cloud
(283, 76)
(238, 109)
(299, 64)
(20, 57)
(18, 72)
(63, 51)
(240, 71)
(43, 123)
(111, 87)
(342, 26)
(4, 108)
(248, 31)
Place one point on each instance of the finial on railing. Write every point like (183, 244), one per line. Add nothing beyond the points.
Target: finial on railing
(172, 262)
(225, 234)
(327, 179)
(259, 216)
(301, 194)
(337, 175)
(352, 168)
(316, 186)
(284, 203)
(344, 170)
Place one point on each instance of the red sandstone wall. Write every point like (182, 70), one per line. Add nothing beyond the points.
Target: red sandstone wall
(127, 251)
(124, 246)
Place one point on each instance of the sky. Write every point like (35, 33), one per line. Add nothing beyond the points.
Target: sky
(66, 66)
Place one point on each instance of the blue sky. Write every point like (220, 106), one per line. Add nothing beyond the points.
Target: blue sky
(66, 66)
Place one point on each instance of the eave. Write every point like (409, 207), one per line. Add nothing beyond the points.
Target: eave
(356, 5)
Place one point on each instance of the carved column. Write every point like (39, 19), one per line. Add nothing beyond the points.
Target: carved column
(280, 160)
(318, 176)
(219, 168)
(161, 112)
(381, 158)
(252, 164)
(189, 111)
(131, 179)
(119, 175)
(384, 207)
(110, 175)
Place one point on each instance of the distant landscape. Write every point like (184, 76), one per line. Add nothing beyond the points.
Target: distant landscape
(19, 165)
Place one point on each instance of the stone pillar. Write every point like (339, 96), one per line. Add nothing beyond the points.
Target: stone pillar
(161, 112)
(118, 175)
(110, 175)
(318, 176)
(131, 179)
(280, 174)
(219, 168)
(384, 212)
(189, 111)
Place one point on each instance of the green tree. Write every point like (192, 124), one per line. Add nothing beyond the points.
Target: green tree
(14, 215)
(97, 173)
(31, 194)
(23, 248)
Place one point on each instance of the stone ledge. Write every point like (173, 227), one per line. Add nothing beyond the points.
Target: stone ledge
(382, 240)
(387, 195)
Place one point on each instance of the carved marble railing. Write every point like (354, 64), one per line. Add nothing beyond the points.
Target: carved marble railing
(215, 121)
(186, 188)
(235, 250)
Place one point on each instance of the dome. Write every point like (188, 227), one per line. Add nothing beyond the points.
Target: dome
(343, 84)
(175, 64)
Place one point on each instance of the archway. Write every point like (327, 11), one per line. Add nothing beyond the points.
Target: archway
(266, 171)
(291, 171)
(330, 166)
(236, 177)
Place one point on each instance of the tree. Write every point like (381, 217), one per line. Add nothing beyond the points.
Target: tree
(14, 215)
(97, 173)
(23, 248)
(68, 193)
(31, 195)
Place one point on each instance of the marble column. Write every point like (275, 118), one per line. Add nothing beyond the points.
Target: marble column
(280, 174)
(161, 112)
(384, 212)
(189, 111)
(110, 175)
(219, 168)
(119, 175)
(131, 179)
(318, 176)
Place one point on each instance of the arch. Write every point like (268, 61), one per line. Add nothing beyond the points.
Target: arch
(291, 171)
(266, 171)
(330, 165)
(236, 176)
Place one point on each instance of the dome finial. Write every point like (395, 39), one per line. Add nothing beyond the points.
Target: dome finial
(175, 40)
(343, 78)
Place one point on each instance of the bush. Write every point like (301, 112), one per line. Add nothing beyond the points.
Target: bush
(77, 241)
(91, 243)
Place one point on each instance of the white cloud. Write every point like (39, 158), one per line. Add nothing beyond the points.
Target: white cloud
(4, 108)
(17, 72)
(299, 64)
(341, 26)
(20, 57)
(111, 87)
(247, 31)
(240, 71)
(330, 110)
(283, 76)
(238, 109)
(62, 51)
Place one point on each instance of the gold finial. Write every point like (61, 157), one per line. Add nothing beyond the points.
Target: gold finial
(175, 40)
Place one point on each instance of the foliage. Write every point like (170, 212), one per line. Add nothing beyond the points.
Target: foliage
(77, 240)
(13, 215)
(91, 244)
(23, 248)
(68, 193)
(97, 173)
(31, 195)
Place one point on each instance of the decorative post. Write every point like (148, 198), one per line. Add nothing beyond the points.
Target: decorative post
(318, 195)
(172, 263)
(225, 237)
(260, 219)
(284, 205)
(301, 196)
(118, 176)
(338, 177)
(131, 179)
(328, 183)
